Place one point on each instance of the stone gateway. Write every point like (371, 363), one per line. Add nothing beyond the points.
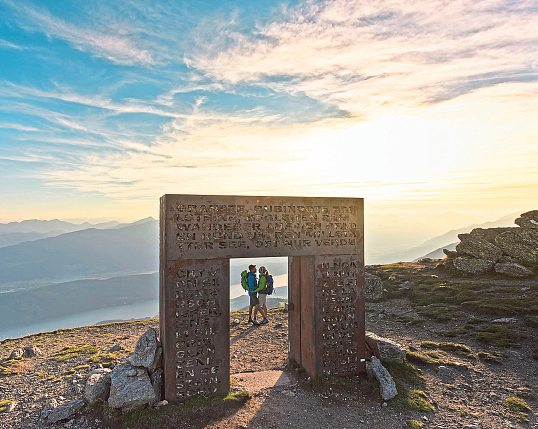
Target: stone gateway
(324, 240)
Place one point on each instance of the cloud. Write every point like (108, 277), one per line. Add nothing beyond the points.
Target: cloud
(101, 41)
(368, 56)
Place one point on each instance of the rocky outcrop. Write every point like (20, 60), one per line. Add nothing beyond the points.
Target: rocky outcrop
(472, 265)
(387, 386)
(478, 247)
(97, 386)
(53, 412)
(373, 287)
(385, 349)
(146, 353)
(512, 269)
(528, 220)
(511, 251)
(130, 388)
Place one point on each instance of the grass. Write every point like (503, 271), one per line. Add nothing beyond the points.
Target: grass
(488, 357)
(439, 312)
(457, 348)
(518, 408)
(415, 424)
(72, 352)
(416, 399)
(14, 366)
(535, 353)
(531, 321)
(157, 417)
(4, 404)
(430, 357)
(497, 335)
(106, 359)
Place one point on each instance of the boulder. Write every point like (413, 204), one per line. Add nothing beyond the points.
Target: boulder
(521, 244)
(386, 382)
(373, 287)
(97, 385)
(31, 351)
(130, 388)
(489, 234)
(472, 265)
(528, 220)
(512, 269)
(385, 349)
(54, 413)
(146, 347)
(480, 248)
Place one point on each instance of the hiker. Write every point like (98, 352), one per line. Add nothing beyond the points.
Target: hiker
(265, 287)
(252, 288)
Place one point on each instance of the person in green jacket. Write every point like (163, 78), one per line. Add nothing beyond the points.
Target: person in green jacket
(262, 294)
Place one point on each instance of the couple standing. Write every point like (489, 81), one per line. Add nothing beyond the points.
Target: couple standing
(258, 289)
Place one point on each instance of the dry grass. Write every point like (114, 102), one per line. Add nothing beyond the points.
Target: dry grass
(72, 352)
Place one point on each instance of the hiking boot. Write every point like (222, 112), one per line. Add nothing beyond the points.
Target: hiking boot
(255, 323)
(264, 321)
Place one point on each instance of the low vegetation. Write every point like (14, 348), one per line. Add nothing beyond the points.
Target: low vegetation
(518, 408)
(72, 352)
(4, 403)
(415, 424)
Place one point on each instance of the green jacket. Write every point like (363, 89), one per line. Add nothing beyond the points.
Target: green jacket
(262, 282)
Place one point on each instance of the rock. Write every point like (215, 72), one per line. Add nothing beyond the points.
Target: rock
(450, 254)
(129, 392)
(506, 320)
(16, 354)
(489, 234)
(53, 413)
(115, 348)
(478, 247)
(407, 285)
(157, 382)
(161, 403)
(387, 350)
(235, 322)
(157, 361)
(10, 406)
(97, 386)
(386, 382)
(472, 265)
(146, 347)
(512, 269)
(31, 351)
(521, 244)
(445, 373)
(373, 287)
(528, 220)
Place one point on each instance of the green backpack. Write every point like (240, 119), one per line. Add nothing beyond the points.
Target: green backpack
(244, 281)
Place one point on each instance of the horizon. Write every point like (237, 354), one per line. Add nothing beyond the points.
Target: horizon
(420, 109)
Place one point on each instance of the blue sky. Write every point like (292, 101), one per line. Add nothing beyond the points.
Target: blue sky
(422, 107)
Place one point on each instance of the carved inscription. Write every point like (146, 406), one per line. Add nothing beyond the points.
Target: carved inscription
(201, 355)
(251, 227)
(337, 291)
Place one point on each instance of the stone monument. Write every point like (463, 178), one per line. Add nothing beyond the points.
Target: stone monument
(324, 240)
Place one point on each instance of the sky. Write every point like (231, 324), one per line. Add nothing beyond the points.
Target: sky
(427, 109)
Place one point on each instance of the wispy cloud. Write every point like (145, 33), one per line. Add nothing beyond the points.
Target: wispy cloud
(381, 54)
(102, 41)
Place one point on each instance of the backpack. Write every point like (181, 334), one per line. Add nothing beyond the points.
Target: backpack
(269, 285)
(244, 281)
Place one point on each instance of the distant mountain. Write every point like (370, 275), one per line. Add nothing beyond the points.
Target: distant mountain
(92, 252)
(438, 253)
(280, 294)
(29, 230)
(444, 240)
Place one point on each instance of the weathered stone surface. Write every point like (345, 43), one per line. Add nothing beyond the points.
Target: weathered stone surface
(386, 382)
(157, 382)
(528, 220)
(450, 254)
(387, 350)
(31, 351)
(54, 413)
(521, 244)
(373, 287)
(144, 353)
(472, 265)
(512, 269)
(445, 373)
(129, 392)
(97, 385)
(478, 247)
(489, 234)
(16, 354)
